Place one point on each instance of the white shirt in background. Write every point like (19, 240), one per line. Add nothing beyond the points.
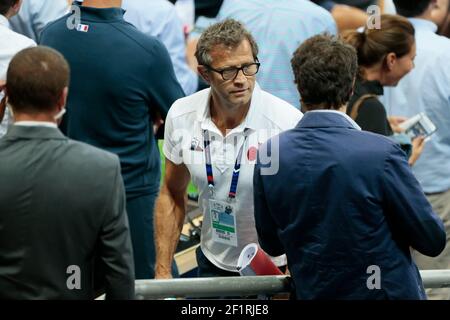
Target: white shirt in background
(11, 43)
(34, 15)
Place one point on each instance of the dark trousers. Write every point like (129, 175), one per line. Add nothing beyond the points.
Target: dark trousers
(140, 216)
(206, 269)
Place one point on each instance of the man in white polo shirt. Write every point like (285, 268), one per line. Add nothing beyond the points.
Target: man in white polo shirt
(212, 137)
(10, 43)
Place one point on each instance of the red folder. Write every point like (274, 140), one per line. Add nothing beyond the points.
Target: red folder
(253, 261)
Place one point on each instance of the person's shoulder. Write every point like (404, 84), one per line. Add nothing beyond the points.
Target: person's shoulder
(279, 112)
(160, 6)
(373, 141)
(189, 105)
(56, 25)
(309, 8)
(441, 50)
(18, 40)
(146, 44)
(370, 104)
(91, 157)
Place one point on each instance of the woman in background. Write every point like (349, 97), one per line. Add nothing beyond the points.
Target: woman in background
(385, 56)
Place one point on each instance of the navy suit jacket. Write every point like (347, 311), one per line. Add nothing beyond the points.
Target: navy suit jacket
(343, 201)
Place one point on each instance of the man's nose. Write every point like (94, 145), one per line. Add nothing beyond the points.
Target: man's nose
(240, 77)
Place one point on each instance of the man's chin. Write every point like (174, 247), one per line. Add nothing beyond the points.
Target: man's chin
(240, 101)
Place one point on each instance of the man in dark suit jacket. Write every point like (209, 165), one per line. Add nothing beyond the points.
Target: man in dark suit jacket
(63, 223)
(344, 205)
(122, 84)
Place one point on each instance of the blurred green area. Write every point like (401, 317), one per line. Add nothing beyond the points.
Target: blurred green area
(191, 187)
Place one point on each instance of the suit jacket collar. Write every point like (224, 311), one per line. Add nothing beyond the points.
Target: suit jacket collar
(43, 133)
(327, 119)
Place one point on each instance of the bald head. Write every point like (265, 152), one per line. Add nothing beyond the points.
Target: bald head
(37, 81)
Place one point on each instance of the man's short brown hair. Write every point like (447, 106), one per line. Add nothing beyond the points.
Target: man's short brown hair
(5, 5)
(228, 33)
(325, 69)
(36, 79)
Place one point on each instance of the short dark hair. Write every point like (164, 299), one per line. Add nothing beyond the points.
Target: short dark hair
(325, 69)
(5, 5)
(35, 79)
(229, 33)
(411, 8)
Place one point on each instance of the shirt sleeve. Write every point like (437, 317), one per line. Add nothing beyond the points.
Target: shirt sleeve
(172, 36)
(411, 216)
(264, 222)
(172, 143)
(163, 86)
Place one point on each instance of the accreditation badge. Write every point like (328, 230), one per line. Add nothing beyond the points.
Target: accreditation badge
(223, 222)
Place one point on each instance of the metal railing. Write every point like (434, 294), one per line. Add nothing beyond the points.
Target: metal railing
(245, 286)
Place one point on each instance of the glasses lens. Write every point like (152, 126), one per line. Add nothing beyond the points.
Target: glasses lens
(251, 69)
(229, 74)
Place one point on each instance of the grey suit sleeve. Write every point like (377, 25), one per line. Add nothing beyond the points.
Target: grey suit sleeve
(115, 244)
(413, 221)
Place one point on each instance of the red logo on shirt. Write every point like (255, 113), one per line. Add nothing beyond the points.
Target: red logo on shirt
(252, 153)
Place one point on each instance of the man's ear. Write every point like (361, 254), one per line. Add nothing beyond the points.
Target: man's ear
(390, 61)
(63, 98)
(16, 7)
(203, 72)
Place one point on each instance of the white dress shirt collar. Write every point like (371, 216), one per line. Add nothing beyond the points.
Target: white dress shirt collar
(352, 122)
(36, 124)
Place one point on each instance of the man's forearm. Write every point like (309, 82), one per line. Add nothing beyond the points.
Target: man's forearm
(169, 219)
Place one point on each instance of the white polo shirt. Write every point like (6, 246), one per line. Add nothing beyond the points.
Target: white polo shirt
(184, 143)
(11, 43)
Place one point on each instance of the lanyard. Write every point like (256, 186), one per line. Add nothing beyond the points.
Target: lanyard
(236, 170)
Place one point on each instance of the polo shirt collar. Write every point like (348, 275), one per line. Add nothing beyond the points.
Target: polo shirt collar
(101, 14)
(4, 21)
(423, 24)
(250, 121)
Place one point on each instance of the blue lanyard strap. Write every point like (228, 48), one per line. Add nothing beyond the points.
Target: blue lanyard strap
(236, 170)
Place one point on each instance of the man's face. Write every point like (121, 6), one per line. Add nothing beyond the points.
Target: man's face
(234, 93)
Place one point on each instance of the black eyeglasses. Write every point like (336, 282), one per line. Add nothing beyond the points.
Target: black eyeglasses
(232, 72)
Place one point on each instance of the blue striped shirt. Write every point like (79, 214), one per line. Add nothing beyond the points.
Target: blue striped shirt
(279, 27)
(427, 89)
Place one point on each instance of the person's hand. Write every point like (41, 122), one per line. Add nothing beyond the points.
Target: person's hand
(2, 103)
(395, 122)
(157, 122)
(417, 147)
